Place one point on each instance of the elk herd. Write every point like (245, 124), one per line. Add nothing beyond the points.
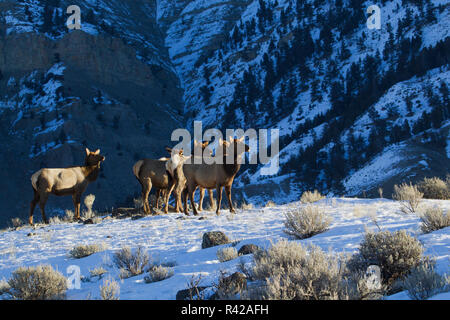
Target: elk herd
(166, 175)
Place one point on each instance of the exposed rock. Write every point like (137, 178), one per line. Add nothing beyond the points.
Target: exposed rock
(248, 249)
(214, 238)
(185, 294)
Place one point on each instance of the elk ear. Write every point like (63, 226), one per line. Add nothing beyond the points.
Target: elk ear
(205, 144)
(88, 151)
(230, 139)
(180, 152)
(97, 152)
(169, 150)
(241, 139)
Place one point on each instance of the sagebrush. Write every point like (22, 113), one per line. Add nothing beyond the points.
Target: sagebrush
(310, 197)
(290, 271)
(131, 263)
(84, 250)
(434, 218)
(306, 222)
(396, 253)
(158, 273)
(434, 188)
(409, 197)
(423, 282)
(37, 283)
(109, 290)
(227, 254)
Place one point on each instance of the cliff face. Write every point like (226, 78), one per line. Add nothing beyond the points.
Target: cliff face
(60, 94)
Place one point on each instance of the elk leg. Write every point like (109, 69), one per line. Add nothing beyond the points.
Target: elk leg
(211, 198)
(32, 206)
(185, 199)
(42, 201)
(200, 202)
(219, 198)
(76, 198)
(146, 187)
(191, 197)
(158, 193)
(228, 192)
(166, 199)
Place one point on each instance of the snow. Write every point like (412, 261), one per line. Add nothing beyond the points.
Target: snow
(170, 239)
(378, 170)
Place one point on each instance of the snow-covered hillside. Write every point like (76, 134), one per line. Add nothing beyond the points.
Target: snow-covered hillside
(175, 238)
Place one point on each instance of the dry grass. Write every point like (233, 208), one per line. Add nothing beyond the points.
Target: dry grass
(131, 263)
(84, 250)
(227, 254)
(306, 222)
(270, 204)
(110, 290)
(434, 218)
(409, 197)
(310, 197)
(37, 283)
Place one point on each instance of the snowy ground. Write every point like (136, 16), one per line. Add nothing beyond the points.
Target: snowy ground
(169, 239)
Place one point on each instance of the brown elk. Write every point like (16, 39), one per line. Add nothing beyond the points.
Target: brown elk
(64, 181)
(152, 173)
(215, 175)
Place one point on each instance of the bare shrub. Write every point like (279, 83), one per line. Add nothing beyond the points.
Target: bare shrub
(89, 202)
(227, 254)
(68, 215)
(423, 282)
(97, 272)
(84, 250)
(289, 271)
(380, 192)
(433, 218)
(306, 222)
(158, 273)
(17, 222)
(269, 204)
(131, 263)
(396, 253)
(409, 197)
(196, 291)
(434, 188)
(37, 283)
(110, 290)
(246, 206)
(310, 197)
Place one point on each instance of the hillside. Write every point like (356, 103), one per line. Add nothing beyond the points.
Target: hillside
(348, 101)
(177, 240)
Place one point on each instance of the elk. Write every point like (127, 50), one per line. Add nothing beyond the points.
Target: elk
(64, 181)
(215, 175)
(203, 145)
(153, 173)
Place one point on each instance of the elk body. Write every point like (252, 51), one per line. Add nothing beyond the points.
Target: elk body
(152, 173)
(210, 176)
(64, 181)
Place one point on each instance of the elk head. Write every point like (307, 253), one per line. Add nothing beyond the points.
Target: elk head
(93, 158)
